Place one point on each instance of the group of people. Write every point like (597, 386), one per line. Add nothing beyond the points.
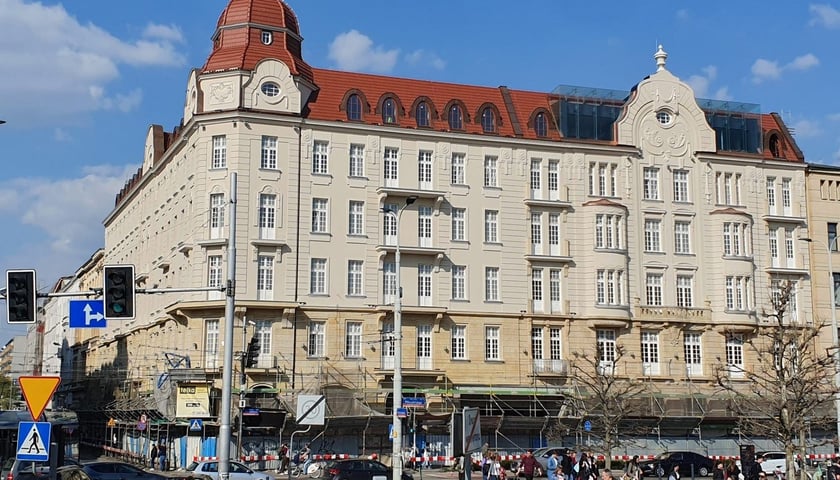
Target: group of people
(565, 466)
(303, 456)
(157, 456)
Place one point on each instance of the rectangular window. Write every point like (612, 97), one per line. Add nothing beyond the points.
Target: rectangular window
(653, 233)
(734, 239)
(771, 194)
(459, 224)
(320, 163)
(693, 356)
(554, 287)
(356, 220)
(651, 183)
(424, 226)
(491, 172)
(424, 285)
(681, 186)
(537, 288)
(653, 288)
(268, 216)
(836, 288)
(459, 342)
(424, 347)
(737, 290)
(491, 226)
(730, 186)
(786, 195)
(682, 237)
(603, 179)
(536, 179)
(390, 167)
(459, 282)
(537, 349)
(650, 353)
(217, 215)
(219, 151)
(609, 231)
(832, 236)
(357, 160)
(353, 340)
(735, 355)
(214, 271)
(553, 180)
(262, 332)
(554, 234)
(268, 157)
(318, 276)
(355, 273)
(317, 340)
(389, 282)
(458, 169)
(211, 343)
(685, 291)
(555, 348)
(606, 351)
(319, 215)
(389, 224)
(609, 288)
(491, 284)
(536, 234)
(265, 277)
(491, 344)
(424, 170)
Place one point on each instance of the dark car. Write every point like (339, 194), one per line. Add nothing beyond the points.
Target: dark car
(662, 465)
(108, 470)
(361, 469)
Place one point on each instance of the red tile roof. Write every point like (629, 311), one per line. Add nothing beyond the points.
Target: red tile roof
(238, 44)
(772, 124)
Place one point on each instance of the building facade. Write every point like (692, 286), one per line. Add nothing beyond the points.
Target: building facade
(647, 229)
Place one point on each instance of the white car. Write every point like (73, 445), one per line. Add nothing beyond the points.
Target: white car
(237, 471)
(774, 461)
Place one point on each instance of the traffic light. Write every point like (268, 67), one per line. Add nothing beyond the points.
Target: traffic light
(20, 296)
(253, 353)
(119, 292)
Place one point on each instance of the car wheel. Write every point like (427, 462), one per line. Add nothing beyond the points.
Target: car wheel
(704, 472)
(660, 471)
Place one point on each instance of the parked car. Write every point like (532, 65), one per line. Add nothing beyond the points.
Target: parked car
(775, 461)
(113, 470)
(78, 472)
(238, 471)
(26, 469)
(661, 466)
(361, 469)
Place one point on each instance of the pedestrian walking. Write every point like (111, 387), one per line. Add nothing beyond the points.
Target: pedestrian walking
(153, 456)
(719, 473)
(632, 470)
(162, 455)
(675, 473)
(529, 465)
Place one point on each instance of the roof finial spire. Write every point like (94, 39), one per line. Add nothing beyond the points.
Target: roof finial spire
(660, 57)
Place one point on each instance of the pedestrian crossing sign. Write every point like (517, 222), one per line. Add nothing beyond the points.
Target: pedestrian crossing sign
(34, 441)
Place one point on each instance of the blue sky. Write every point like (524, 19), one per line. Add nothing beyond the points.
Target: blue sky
(81, 81)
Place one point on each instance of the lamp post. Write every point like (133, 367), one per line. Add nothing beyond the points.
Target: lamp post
(835, 342)
(396, 440)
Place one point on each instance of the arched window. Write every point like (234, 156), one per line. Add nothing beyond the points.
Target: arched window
(488, 120)
(389, 111)
(541, 125)
(422, 114)
(354, 108)
(774, 145)
(456, 121)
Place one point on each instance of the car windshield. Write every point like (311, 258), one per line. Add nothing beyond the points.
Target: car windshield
(663, 456)
(191, 467)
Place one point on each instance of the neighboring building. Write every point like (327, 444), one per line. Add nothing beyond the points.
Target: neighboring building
(545, 224)
(6, 358)
(823, 218)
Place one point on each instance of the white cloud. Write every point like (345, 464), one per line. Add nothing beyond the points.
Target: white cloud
(834, 117)
(824, 15)
(764, 69)
(806, 128)
(422, 57)
(355, 51)
(701, 84)
(61, 135)
(44, 43)
(722, 93)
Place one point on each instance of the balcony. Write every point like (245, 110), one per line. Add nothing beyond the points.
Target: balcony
(551, 368)
(430, 251)
(389, 191)
(672, 314)
(552, 253)
(553, 199)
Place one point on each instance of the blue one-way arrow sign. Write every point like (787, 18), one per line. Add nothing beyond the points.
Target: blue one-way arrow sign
(87, 314)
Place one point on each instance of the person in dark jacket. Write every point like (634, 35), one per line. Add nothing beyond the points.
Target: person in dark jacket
(529, 465)
(719, 473)
(153, 455)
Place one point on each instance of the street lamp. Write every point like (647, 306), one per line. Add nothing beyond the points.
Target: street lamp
(396, 441)
(835, 342)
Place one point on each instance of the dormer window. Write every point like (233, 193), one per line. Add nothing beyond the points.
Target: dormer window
(354, 108)
(774, 145)
(267, 37)
(422, 114)
(488, 120)
(389, 111)
(456, 118)
(270, 89)
(541, 125)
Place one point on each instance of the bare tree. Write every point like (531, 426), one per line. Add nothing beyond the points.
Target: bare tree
(605, 399)
(791, 386)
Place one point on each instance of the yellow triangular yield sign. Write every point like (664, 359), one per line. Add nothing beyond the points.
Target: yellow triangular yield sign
(37, 391)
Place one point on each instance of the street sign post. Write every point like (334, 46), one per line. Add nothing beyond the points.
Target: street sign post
(87, 314)
(311, 409)
(402, 413)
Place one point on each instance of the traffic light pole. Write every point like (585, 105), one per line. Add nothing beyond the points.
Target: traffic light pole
(242, 385)
(223, 450)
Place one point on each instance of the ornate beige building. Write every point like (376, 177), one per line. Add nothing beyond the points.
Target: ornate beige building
(543, 225)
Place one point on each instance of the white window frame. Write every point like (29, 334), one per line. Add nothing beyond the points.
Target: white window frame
(267, 216)
(491, 284)
(357, 161)
(458, 174)
(653, 235)
(214, 276)
(536, 179)
(391, 167)
(425, 235)
(651, 183)
(492, 343)
(211, 343)
(265, 277)
(389, 283)
(771, 195)
(735, 355)
(650, 352)
(537, 349)
(459, 224)
(355, 278)
(320, 158)
(459, 342)
(491, 171)
(353, 340)
(536, 234)
(682, 237)
(424, 170)
(553, 180)
(262, 331)
(317, 340)
(537, 289)
(609, 231)
(318, 276)
(681, 186)
(268, 153)
(356, 218)
(653, 289)
(737, 293)
(424, 285)
(389, 225)
(320, 215)
(693, 354)
(609, 287)
(607, 351)
(459, 282)
(424, 346)
(554, 235)
(491, 226)
(217, 215)
(219, 160)
(555, 289)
